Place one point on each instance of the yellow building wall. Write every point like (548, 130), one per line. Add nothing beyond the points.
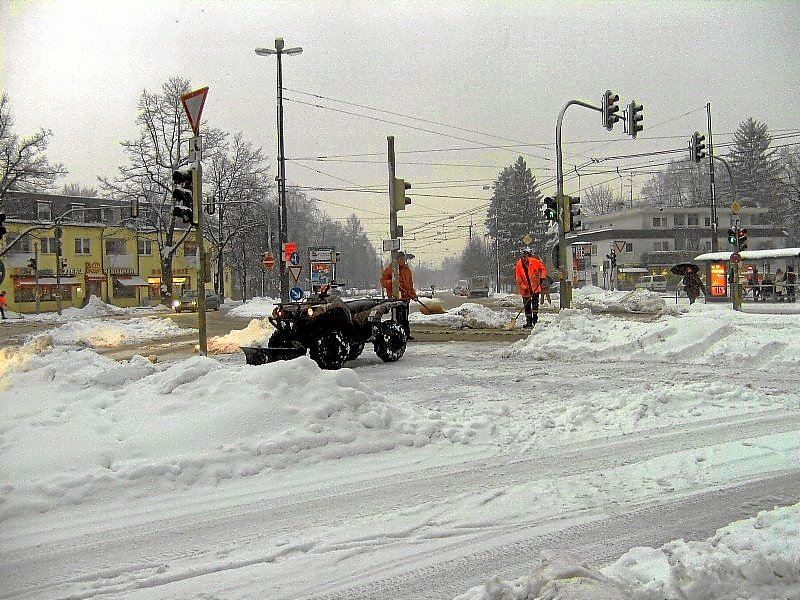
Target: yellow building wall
(89, 270)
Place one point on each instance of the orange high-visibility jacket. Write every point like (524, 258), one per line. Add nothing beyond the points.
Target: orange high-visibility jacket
(536, 272)
(405, 283)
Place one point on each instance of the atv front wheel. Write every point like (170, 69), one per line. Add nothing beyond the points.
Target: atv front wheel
(330, 349)
(390, 341)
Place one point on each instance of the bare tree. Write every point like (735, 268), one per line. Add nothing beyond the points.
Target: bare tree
(600, 200)
(161, 148)
(77, 190)
(23, 164)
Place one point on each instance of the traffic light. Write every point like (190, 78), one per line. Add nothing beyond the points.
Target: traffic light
(3, 230)
(551, 209)
(612, 259)
(742, 239)
(63, 264)
(610, 109)
(635, 117)
(572, 213)
(697, 147)
(185, 195)
(32, 263)
(399, 200)
(732, 236)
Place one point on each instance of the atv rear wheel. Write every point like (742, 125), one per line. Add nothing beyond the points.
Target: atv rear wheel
(390, 341)
(330, 349)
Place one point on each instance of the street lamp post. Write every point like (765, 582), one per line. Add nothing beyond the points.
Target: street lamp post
(279, 51)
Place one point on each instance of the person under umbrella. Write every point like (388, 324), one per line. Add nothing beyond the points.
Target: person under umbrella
(693, 284)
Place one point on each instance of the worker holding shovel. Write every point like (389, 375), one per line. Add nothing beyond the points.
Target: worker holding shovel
(405, 285)
(529, 273)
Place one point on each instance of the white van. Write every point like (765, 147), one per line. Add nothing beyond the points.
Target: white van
(654, 283)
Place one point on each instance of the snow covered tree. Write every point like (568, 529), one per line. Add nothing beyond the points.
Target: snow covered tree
(514, 212)
(476, 259)
(754, 165)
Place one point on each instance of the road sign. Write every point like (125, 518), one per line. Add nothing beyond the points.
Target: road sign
(294, 258)
(294, 271)
(619, 247)
(268, 261)
(193, 105)
(736, 257)
(526, 239)
(295, 294)
(736, 207)
(288, 248)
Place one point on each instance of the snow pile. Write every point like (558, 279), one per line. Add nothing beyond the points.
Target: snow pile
(468, 315)
(254, 308)
(140, 428)
(104, 333)
(709, 334)
(639, 301)
(757, 559)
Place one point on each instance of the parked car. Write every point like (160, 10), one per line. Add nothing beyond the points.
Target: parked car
(188, 301)
(654, 283)
(461, 288)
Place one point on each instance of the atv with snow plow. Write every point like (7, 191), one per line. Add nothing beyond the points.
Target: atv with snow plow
(333, 331)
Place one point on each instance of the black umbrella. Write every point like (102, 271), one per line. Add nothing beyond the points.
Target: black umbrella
(680, 269)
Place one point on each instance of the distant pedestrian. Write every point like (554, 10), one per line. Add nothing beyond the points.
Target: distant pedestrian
(3, 303)
(528, 273)
(692, 284)
(791, 283)
(780, 284)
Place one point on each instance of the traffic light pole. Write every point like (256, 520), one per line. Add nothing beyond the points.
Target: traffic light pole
(201, 270)
(393, 217)
(565, 282)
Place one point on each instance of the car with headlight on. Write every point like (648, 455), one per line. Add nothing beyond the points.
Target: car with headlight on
(188, 301)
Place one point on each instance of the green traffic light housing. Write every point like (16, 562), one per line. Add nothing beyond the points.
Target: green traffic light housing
(697, 147)
(732, 236)
(551, 209)
(610, 109)
(635, 117)
(185, 194)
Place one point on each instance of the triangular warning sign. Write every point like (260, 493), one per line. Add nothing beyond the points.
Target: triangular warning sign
(193, 105)
(294, 271)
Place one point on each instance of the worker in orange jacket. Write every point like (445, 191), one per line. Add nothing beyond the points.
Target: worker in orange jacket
(529, 273)
(405, 285)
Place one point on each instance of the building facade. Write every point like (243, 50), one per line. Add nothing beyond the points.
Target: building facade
(649, 240)
(60, 250)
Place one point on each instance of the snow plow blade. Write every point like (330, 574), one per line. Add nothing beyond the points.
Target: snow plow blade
(255, 355)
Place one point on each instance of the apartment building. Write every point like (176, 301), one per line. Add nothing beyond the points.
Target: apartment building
(103, 253)
(650, 240)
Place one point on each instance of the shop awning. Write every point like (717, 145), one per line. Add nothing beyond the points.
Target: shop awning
(132, 281)
(49, 281)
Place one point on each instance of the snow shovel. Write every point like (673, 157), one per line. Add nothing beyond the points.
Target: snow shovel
(432, 306)
(512, 324)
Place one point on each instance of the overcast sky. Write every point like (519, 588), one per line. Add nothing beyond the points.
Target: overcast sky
(464, 87)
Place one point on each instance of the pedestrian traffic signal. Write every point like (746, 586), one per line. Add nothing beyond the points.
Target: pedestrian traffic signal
(610, 109)
(697, 148)
(63, 264)
(32, 263)
(3, 230)
(732, 236)
(635, 117)
(742, 239)
(551, 209)
(185, 194)
(572, 213)
(399, 199)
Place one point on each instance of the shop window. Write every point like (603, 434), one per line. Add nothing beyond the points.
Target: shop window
(123, 291)
(27, 293)
(145, 247)
(82, 246)
(44, 211)
(23, 245)
(115, 247)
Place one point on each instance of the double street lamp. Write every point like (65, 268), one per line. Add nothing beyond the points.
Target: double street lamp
(281, 178)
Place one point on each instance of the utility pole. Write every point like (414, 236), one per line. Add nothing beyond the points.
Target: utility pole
(393, 218)
(714, 224)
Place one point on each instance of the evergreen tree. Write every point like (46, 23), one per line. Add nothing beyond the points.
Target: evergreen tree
(754, 166)
(516, 211)
(476, 259)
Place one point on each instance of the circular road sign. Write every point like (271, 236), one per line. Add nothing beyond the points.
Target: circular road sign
(736, 257)
(295, 294)
(268, 261)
